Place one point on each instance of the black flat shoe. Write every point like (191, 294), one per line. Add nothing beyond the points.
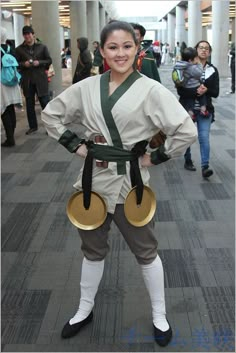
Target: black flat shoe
(162, 337)
(71, 330)
(8, 144)
(31, 131)
(190, 166)
(206, 172)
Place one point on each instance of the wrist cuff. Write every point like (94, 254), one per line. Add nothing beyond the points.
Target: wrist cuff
(159, 156)
(70, 141)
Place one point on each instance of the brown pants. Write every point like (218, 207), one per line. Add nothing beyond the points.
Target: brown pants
(141, 240)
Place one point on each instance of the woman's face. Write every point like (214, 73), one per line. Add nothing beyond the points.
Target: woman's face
(119, 51)
(203, 51)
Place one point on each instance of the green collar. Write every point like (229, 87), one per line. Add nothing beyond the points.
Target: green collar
(108, 102)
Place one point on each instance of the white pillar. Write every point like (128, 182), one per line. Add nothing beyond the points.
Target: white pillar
(204, 32)
(220, 36)
(45, 21)
(233, 29)
(62, 40)
(18, 22)
(164, 31)
(180, 24)
(171, 31)
(78, 27)
(194, 22)
(93, 22)
(102, 18)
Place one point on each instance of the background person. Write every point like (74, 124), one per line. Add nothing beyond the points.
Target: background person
(10, 95)
(34, 60)
(107, 105)
(209, 87)
(147, 64)
(84, 62)
(192, 71)
(232, 67)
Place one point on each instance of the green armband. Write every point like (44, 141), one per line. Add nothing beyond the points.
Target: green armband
(159, 156)
(70, 141)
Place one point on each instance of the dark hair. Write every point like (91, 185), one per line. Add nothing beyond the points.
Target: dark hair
(203, 41)
(96, 42)
(140, 28)
(189, 54)
(27, 29)
(113, 26)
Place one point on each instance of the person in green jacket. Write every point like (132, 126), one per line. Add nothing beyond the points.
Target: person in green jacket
(145, 61)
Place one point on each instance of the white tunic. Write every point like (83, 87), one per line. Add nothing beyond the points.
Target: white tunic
(144, 109)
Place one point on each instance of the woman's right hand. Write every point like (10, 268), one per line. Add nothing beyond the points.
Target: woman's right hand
(82, 151)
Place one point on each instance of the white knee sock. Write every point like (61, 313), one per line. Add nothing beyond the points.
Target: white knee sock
(154, 280)
(91, 276)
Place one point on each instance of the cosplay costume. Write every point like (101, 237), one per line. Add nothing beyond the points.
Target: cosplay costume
(123, 120)
(156, 109)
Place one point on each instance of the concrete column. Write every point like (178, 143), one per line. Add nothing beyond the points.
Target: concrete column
(164, 31)
(62, 41)
(78, 27)
(180, 25)
(171, 31)
(233, 29)
(194, 22)
(220, 36)
(45, 21)
(93, 22)
(102, 18)
(204, 32)
(18, 23)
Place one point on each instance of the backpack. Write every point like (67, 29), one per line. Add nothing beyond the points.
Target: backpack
(9, 74)
(178, 77)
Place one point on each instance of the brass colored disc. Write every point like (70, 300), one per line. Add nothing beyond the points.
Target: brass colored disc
(140, 215)
(89, 219)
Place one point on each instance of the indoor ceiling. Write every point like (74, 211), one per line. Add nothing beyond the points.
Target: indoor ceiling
(24, 8)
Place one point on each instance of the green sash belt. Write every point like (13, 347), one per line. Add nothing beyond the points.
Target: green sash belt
(113, 154)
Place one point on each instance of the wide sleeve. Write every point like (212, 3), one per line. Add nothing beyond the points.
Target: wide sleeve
(61, 111)
(168, 115)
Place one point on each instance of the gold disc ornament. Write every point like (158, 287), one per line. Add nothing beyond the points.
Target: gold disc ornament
(140, 215)
(84, 219)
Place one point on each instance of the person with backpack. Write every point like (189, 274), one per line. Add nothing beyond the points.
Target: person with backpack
(188, 73)
(210, 88)
(34, 60)
(10, 90)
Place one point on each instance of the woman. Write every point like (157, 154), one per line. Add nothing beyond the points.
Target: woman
(84, 63)
(209, 87)
(10, 95)
(107, 105)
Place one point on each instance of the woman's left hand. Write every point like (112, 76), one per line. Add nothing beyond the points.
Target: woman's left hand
(146, 160)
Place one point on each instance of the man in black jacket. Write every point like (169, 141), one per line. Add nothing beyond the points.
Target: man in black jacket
(232, 67)
(34, 59)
